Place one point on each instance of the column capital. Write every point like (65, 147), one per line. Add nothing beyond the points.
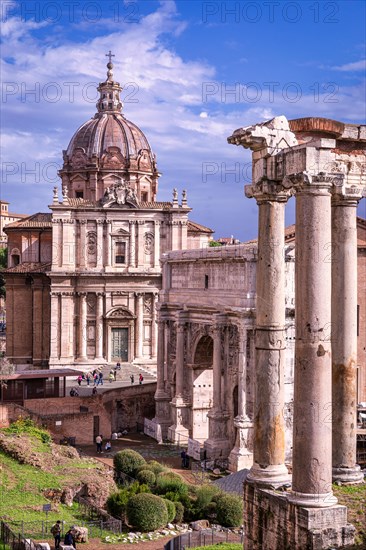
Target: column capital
(314, 184)
(347, 195)
(82, 294)
(267, 190)
(139, 294)
(82, 222)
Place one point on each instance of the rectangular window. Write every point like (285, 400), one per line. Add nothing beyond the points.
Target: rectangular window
(206, 281)
(120, 257)
(79, 194)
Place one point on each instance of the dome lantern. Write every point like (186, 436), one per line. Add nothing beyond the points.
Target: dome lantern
(109, 91)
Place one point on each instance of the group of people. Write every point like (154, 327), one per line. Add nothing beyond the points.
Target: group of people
(69, 538)
(99, 442)
(132, 378)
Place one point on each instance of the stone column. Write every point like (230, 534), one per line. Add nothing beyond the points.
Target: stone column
(99, 327)
(140, 246)
(269, 432)
(217, 444)
(83, 327)
(67, 351)
(344, 334)
(157, 245)
(312, 430)
(100, 247)
(55, 327)
(133, 243)
(240, 456)
(82, 252)
(162, 408)
(140, 325)
(178, 432)
(154, 326)
(109, 244)
(56, 242)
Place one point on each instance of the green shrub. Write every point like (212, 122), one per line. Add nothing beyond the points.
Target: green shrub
(117, 502)
(204, 496)
(28, 426)
(128, 462)
(179, 512)
(229, 510)
(147, 477)
(170, 482)
(170, 507)
(156, 467)
(147, 512)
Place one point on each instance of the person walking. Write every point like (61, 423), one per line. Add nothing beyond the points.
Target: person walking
(111, 377)
(100, 378)
(80, 379)
(99, 442)
(115, 373)
(141, 379)
(88, 377)
(132, 378)
(56, 532)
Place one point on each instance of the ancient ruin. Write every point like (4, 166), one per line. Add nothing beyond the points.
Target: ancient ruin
(321, 162)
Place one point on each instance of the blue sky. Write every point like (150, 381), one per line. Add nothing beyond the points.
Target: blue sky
(193, 72)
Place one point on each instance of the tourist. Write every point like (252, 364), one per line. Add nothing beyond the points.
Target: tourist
(118, 366)
(74, 392)
(114, 436)
(132, 378)
(99, 441)
(108, 447)
(115, 373)
(141, 379)
(88, 378)
(183, 456)
(80, 379)
(100, 379)
(111, 377)
(69, 539)
(56, 532)
(96, 378)
(94, 390)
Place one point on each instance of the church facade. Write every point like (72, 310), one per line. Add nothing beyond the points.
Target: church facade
(83, 280)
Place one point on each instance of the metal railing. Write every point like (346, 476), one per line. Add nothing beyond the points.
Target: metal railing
(14, 541)
(205, 537)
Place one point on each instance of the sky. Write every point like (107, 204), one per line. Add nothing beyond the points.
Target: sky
(192, 71)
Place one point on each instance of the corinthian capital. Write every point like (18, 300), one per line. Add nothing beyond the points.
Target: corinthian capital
(266, 190)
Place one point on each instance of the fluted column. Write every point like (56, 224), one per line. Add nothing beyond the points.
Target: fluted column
(312, 434)
(157, 245)
(56, 242)
(55, 327)
(100, 247)
(83, 327)
(344, 333)
(241, 456)
(269, 431)
(140, 324)
(99, 327)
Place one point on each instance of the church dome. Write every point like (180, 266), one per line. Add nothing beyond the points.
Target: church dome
(109, 139)
(108, 150)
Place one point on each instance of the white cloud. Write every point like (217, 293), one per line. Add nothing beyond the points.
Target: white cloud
(349, 67)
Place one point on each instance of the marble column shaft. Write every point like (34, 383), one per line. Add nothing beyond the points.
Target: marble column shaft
(269, 432)
(179, 361)
(344, 338)
(217, 368)
(55, 326)
(140, 324)
(312, 427)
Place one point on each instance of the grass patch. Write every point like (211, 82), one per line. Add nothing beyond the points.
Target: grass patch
(354, 497)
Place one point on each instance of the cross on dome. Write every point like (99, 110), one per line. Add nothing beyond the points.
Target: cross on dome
(110, 55)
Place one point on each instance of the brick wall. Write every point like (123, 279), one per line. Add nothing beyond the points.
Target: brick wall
(75, 416)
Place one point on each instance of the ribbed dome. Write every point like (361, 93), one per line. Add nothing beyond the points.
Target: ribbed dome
(106, 130)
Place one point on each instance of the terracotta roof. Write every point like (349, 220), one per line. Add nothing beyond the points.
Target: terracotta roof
(29, 267)
(40, 220)
(195, 227)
